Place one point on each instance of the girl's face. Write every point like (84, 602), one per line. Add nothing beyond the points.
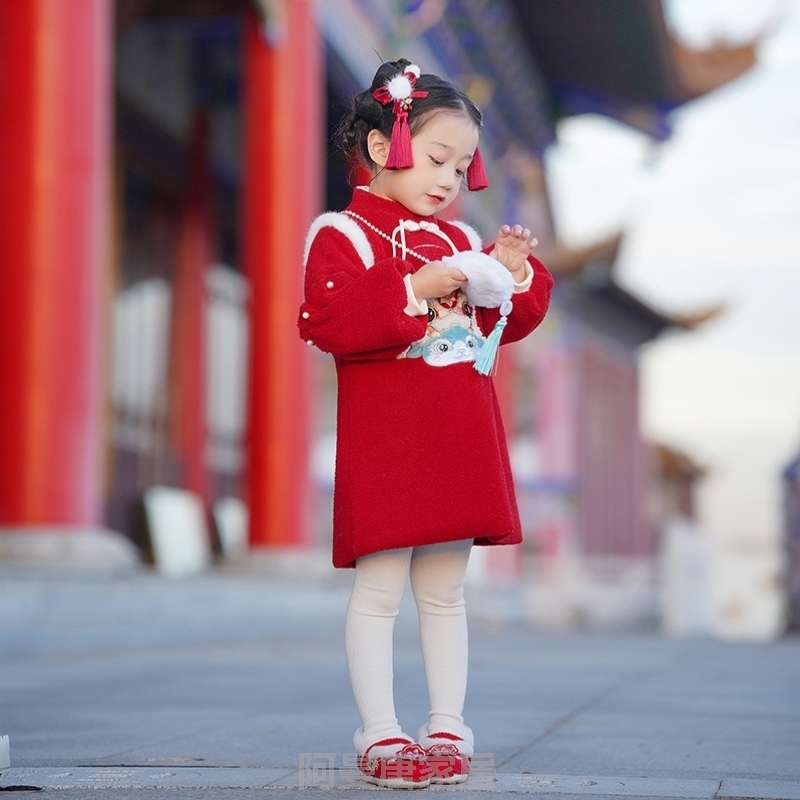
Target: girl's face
(442, 150)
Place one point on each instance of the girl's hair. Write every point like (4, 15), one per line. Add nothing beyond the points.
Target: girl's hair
(369, 114)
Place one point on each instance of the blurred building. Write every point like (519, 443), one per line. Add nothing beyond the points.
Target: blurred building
(161, 161)
(791, 531)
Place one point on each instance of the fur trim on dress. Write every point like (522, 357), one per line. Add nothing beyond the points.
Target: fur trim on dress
(472, 235)
(346, 226)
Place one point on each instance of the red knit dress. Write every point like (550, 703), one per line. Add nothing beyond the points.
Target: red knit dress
(421, 453)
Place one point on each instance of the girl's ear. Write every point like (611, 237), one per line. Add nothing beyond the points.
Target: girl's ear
(378, 146)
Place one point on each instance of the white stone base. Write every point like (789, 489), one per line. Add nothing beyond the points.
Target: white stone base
(685, 560)
(748, 589)
(592, 592)
(67, 547)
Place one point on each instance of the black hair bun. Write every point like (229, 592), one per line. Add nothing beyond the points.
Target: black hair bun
(366, 107)
(387, 71)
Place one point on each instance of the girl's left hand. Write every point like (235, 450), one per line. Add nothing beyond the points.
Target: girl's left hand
(512, 248)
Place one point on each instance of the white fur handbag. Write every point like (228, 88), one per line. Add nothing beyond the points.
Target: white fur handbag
(489, 285)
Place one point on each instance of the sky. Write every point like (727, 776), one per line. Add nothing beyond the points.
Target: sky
(711, 217)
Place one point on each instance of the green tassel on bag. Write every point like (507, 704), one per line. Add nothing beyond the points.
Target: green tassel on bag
(486, 362)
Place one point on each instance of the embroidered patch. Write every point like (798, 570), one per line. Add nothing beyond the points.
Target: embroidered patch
(452, 335)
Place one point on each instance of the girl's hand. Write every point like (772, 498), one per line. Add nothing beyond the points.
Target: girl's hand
(436, 279)
(512, 248)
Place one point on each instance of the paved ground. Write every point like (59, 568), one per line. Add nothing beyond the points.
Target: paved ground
(233, 685)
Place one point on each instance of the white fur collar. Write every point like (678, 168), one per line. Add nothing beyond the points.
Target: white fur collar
(346, 226)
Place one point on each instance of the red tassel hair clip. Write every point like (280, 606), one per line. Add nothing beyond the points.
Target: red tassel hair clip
(400, 90)
(476, 173)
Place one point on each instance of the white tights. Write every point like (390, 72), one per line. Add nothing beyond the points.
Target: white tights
(437, 581)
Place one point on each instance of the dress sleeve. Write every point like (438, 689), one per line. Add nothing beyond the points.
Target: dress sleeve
(351, 310)
(530, 306)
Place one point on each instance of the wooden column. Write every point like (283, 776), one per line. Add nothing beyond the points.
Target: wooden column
(194, 254)
(55, 107)
(283, 146)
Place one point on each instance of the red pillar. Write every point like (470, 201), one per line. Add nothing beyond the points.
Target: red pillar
(283, 145)
(55, 108)
(195, 253)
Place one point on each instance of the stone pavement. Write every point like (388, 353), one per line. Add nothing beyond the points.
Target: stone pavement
(233, 685)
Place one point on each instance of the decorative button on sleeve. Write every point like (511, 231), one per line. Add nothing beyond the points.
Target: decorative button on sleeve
(329, 284)
(306, 315)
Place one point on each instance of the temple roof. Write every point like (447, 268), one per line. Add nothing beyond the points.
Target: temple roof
(673, 463)
(618, 58)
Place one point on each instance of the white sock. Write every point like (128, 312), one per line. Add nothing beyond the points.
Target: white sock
(380, 580)
(437, 580)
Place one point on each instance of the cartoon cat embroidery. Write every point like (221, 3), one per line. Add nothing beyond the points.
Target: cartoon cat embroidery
(450, 346)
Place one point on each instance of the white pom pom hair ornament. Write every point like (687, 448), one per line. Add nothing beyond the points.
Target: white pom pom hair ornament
(400, 87)
(489, 285)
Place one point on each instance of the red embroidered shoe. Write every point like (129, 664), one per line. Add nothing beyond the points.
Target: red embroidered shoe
(448, 763)
(396, 764)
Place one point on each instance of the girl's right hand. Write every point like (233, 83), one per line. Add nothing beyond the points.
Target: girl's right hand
(436, 279)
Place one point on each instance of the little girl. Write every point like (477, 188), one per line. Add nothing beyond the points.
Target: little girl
(422, 469)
